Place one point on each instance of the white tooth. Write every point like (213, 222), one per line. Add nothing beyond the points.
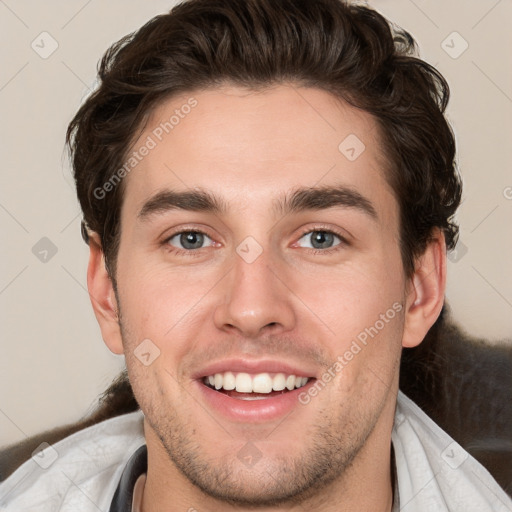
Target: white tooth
(298, 382)
(229, 381)
(262, 383)
(279, 382)
(211, 380)
(218, 380)
(290, 382)
(256, 397)
(243, 383)
(304, 381)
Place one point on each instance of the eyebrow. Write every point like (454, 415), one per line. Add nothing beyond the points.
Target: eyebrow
(322, 198)
(301, 199)
(195, 200)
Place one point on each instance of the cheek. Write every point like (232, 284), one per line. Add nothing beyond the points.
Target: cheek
(353, 294)
(142, 288)
(160, 305)
(359, 303)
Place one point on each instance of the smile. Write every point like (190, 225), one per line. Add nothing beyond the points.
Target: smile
(246, 386)
(253, 391)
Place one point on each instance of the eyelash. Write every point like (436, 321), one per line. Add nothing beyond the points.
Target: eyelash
(195, 252)
(343, 241)
(184, 252)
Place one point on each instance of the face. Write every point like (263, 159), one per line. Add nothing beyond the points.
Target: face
(259, 251)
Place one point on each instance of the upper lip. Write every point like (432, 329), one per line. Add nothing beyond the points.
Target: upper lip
(254, 366)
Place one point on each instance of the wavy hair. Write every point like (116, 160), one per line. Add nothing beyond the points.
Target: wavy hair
(346, 49)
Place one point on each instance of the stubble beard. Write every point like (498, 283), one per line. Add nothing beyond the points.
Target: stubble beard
(322, 459)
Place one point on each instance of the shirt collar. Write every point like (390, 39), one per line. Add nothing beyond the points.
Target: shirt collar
(136, 466)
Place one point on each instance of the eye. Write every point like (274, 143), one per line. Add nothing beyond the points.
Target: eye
(320, 239)
(189, 240)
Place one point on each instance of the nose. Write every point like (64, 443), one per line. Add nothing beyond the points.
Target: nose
(255, 298)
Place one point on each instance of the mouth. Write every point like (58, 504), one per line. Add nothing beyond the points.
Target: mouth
(261, 386)
(253, 392)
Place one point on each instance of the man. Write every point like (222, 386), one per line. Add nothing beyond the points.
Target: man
(268, 188)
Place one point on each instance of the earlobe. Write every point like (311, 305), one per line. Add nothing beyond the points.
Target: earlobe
(425, 295)
(103, 300)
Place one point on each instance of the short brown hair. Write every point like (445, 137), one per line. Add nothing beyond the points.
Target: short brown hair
(348, 50)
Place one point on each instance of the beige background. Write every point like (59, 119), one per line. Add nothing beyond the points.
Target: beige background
(54, 363)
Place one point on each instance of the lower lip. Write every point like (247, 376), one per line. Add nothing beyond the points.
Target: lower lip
(253, 411)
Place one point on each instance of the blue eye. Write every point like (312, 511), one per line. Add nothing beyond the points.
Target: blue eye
(321, 239)
(189, 240)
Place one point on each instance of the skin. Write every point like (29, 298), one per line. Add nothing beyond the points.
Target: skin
(291, 304)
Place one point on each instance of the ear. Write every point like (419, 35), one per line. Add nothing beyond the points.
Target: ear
(425, 293)
(101, 293)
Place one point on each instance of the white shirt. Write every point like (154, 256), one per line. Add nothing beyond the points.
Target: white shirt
(81, 473)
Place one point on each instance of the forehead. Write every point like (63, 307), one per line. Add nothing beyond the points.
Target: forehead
(253, 145)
